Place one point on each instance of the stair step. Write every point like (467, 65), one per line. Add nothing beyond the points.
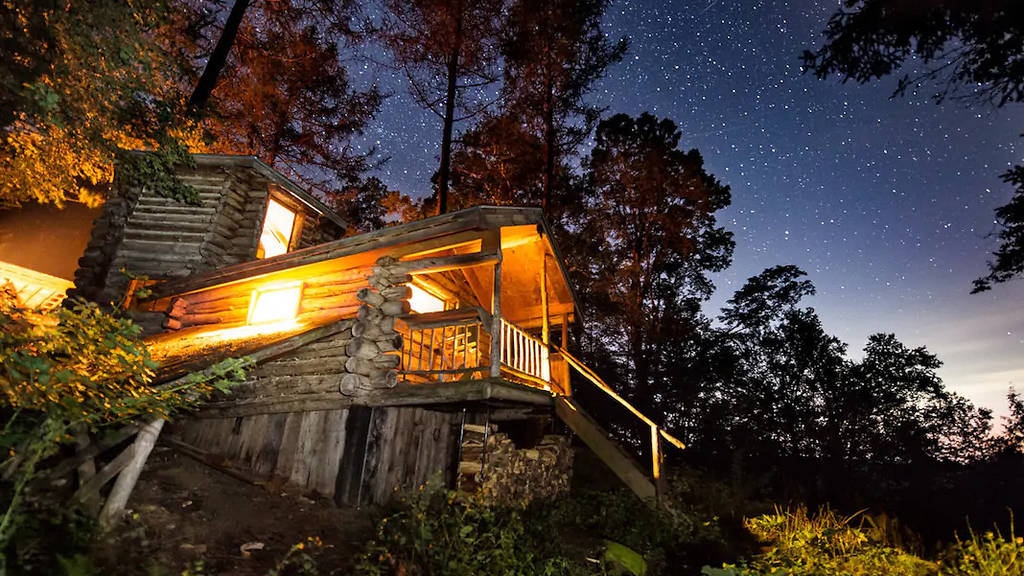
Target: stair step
(609, 451)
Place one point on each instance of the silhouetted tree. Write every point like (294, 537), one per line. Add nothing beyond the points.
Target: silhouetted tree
(555, 50)
(370, 205)
(449, 51)
(497, 162)
(645, 244)
(285, 94)
(971, 50)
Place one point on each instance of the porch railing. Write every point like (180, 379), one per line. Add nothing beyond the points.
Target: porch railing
(523, 353)
(456, 344)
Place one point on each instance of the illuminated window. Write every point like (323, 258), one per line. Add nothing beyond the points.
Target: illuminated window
(422, 301)
(278, 225)
(275, 303)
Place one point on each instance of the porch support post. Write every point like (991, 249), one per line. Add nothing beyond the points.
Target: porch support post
(545, 333)
(493, 240)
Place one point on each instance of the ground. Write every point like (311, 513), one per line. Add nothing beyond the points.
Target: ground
(184, 511)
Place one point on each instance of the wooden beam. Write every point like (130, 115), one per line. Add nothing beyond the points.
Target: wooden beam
(545, 332)
(620, 463)
(496, 338)
(445, 263)
(404, 394)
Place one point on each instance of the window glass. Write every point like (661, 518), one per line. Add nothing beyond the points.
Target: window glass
(421, 301)
(275, 303)
(277, 230)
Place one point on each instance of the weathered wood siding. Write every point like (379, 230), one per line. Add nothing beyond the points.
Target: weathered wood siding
(161, 238)
(356, 456)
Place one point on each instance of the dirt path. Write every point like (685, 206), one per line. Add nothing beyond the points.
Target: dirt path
(186, 511)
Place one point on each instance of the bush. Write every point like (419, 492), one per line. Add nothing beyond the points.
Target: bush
(990, 554)
(826, 544)
(437, 532)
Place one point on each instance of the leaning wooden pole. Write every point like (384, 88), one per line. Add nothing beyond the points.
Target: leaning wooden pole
(126, 480)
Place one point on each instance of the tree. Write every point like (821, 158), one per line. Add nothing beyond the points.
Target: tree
(646, 241)
(78, 82)
(973, 51)
(555, 50)
(496, 162)
(449, 51)
(370, 206)
(284, 94)
(794, 394)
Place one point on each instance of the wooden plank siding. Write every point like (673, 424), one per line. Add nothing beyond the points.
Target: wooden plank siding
(355, 455)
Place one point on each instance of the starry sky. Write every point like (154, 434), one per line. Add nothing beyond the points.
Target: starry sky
(886, 203)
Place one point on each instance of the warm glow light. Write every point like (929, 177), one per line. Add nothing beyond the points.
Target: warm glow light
(277, 230)
(275, 303)
(422, 301)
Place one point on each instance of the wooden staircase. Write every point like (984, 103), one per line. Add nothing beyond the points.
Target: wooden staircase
(618, 460)
(648, 487)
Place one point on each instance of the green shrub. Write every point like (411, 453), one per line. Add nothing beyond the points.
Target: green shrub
(436, 532)
(990, 554)
(822, 545)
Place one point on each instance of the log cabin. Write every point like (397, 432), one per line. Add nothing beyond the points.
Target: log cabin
(434, 350)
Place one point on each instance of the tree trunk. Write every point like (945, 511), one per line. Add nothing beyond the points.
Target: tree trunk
(204, 88)
(549, 143)
(449, 115)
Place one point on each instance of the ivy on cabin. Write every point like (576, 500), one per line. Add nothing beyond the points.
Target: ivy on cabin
(156, 171)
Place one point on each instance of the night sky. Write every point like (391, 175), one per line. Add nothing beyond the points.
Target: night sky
(886, 203)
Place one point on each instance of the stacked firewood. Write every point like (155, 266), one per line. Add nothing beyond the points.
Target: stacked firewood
(508, 476)
(374, 354)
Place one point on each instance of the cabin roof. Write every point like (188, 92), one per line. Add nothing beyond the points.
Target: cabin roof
(476, 218)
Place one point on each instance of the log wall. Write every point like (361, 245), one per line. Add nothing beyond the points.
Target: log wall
(161, 238)
(354, 456)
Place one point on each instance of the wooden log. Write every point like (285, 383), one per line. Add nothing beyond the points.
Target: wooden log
(390, 343)
(370, 297)
(126, 480)
(363, 348)
(352, 383)
(360, 366)
(384, 378)
(369, 314)
(89, 492)
(395, 307)
(171, 324)
(400, 292)
(369, 330)
(387, 361)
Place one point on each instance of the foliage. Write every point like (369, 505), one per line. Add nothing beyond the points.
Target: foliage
(823, 544)
(285, 95)
(434, 532)
(370, 205)
(1009, 257)
(80, 81)
(973, 47)
(646, 241)
(72, 369)
(554, 52)
(155, 171)
(448, 49)
(988, 554)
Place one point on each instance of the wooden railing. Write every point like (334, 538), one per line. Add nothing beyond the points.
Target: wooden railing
(658, 434)
(524, 354)
(445, 346)
(456, 344)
